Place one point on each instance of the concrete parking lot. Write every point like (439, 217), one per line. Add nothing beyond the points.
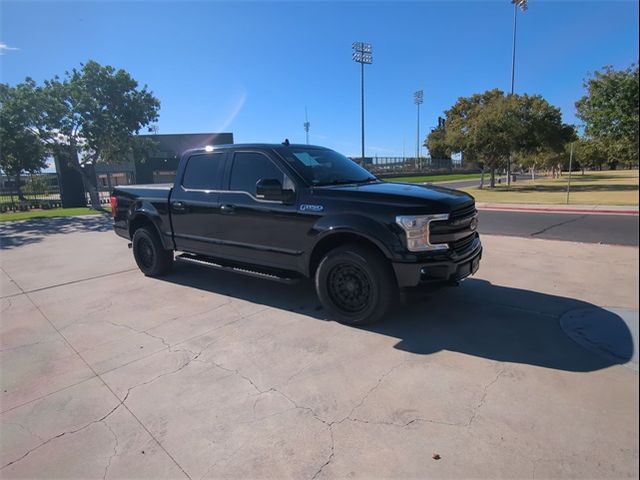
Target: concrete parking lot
(108, 374)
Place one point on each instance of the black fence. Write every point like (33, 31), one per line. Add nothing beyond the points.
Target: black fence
(13, 201)
(390, 166)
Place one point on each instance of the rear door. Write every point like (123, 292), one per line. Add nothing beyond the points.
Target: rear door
(257, 231)
(195, 205)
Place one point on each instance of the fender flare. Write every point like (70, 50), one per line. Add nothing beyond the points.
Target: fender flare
(142, 209)
(357, 225)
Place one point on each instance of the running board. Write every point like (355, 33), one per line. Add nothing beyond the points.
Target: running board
(207, 262)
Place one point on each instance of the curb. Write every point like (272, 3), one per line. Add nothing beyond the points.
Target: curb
(541, 209)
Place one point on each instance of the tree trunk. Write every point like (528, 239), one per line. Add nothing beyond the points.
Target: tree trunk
(19, 188)
(533, 174)
(94, 196)
(492, 182)
(89, 186)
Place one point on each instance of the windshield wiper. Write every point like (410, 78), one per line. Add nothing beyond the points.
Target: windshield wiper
(346, 181)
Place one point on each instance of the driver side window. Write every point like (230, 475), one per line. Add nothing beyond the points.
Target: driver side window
(249, 167)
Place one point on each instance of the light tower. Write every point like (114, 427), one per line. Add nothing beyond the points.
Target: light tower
(306, 124)
(418, 99)
(362, 53)
(523, 6)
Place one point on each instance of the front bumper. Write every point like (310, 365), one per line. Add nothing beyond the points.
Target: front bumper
(424, 273)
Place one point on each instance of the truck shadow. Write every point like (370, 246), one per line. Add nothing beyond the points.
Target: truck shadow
(19, 233)
(495, 322)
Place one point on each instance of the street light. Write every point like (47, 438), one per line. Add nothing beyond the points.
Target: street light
(362, 54)
(417, 99)
(522, 4)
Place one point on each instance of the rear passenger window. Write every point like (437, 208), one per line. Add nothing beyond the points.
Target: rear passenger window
(248, 168)
(203, 172)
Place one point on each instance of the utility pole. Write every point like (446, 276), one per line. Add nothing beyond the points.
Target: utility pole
(362, 54)
(306, 124)
(570, 168)
(523, 6)
(417, 99)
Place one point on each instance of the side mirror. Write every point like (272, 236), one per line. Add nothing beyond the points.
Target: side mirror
(271, 189)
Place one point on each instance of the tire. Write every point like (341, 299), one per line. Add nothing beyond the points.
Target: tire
(355, 284)
(152, 258)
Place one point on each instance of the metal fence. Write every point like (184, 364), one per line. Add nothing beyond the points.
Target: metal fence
(27, 199)
(384, 166)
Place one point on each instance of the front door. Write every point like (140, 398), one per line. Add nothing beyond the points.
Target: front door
(254, 230)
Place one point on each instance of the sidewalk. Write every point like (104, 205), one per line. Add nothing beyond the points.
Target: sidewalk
(540, 208)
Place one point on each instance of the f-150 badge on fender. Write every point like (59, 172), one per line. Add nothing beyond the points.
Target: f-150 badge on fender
(311, 208)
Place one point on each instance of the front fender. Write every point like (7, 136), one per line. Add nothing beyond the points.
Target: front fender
(377, 233)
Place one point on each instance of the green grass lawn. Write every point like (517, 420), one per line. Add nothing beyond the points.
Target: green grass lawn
(619, 187)
(435, 178)
(54, 212)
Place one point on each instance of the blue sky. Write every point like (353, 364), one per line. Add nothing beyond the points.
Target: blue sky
(252, 68)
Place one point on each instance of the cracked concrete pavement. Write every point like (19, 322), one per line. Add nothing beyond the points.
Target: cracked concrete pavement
(108, 374)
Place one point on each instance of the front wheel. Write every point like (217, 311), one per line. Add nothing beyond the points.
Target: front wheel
(152, 259)
(355, 284)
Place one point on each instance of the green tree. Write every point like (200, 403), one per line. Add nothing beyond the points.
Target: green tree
(437, 145)
(93, 115)
(609, 111)
(491, 127)
(591, 154)
(21, 149)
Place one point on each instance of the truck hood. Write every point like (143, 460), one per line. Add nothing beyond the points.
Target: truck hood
(400, 194)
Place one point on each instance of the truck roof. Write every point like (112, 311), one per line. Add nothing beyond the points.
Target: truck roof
(240, 146)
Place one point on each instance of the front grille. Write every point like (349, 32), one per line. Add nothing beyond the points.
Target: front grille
(461, 246)
(466, 211)
(457, 231)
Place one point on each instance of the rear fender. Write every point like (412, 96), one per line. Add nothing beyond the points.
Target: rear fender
(142, 211)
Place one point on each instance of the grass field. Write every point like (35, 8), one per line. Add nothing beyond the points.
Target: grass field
(593, 188)
(54, 212)
(435, 178)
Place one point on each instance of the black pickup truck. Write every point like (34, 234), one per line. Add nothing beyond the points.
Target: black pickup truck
(285, 212)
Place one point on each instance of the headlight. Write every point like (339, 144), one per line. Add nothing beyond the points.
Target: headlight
(417, 229)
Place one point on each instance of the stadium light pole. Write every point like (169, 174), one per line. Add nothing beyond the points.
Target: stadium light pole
(306, 124)
(362, 54)
(418, 99)
(522, 4)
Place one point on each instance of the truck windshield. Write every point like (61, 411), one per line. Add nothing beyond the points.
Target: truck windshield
(325, 167)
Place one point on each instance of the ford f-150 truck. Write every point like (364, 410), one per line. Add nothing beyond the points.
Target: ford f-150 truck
(285, 212)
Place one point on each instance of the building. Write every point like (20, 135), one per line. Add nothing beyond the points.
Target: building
(159, 162)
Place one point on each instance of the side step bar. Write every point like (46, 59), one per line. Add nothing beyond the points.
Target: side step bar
(207, 262)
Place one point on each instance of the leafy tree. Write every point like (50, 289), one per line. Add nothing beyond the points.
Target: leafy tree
(610, 112)
(591, 154)
(92, 116)
(21, 149)
(491, 127)
(437, 145)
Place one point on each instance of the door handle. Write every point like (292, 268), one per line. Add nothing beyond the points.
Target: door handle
(178, 206)
(227, 209)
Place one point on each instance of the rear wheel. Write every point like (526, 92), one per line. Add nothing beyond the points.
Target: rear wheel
(152, 259)
(355, 284)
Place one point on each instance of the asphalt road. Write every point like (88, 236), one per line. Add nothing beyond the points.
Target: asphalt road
(589, 228)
